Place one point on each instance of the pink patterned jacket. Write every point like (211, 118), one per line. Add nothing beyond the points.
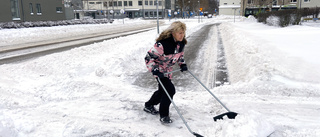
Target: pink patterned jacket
(164, 55)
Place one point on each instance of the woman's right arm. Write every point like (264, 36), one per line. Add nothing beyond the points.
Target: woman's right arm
(152, 57)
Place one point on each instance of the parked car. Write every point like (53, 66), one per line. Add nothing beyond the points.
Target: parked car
(209, 15)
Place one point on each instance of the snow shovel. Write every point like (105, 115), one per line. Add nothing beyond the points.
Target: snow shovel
(176, 108)
(231, 115)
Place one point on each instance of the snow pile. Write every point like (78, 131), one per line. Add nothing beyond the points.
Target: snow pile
(249, 125)
(22, 35)
(89, 91)
(29, 24)
(252, 57)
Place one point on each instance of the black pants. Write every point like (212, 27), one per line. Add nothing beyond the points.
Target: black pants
(161, 97)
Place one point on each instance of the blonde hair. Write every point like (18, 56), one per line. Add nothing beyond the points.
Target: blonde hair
(174, 27)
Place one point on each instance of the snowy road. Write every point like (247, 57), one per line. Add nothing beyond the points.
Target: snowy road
(92, 91)
(195, 53)
(19, 52)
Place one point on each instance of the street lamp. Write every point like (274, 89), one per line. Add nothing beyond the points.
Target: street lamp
(234, 14)
(199, 12)
(158, 16)
(300, 3)
(182, 9)
(189, 9)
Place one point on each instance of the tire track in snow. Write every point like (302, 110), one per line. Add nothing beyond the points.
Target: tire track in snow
(221, 71)
(192, 50)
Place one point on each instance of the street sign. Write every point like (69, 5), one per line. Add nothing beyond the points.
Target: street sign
(111, 11)
(200, 9)
(122, 11)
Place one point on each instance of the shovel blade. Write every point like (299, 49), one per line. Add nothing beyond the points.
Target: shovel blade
(230, 115)
(197, 135)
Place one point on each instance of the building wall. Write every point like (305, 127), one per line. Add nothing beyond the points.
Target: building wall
(295, 3)
(5, 11)
(229, 7)
(102, 9)
(308, 4)
(69, 13)
(228, 11)
(50, 10)
(230, 2)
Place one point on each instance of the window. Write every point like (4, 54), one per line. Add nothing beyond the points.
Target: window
(115, 3)
(225, 3)
(39, 9)
(130, 3)
(294, 1)
(274, 2)
(98, 2)
(160, 3)
(31, 8)
(151, 14)
(120, 3)
(15, 10)
(140, 3)
(145, 2)
(150, 3)
(146, 14)
(110, 4)
(125, 3)
(59, 9)
(306, 0)
(250, 1)
(91, 2)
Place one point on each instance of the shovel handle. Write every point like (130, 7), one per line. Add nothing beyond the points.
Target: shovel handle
(209, 91)
(173, 71)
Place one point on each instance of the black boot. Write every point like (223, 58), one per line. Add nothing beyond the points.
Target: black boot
(151, 110)
(165, 120)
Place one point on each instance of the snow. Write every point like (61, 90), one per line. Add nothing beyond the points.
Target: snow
(90, 90)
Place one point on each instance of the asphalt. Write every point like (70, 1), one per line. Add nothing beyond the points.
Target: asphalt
(192, 49)
(20, 52)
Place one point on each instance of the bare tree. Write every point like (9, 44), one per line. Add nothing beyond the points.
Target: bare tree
(194, 5)
(77, 4)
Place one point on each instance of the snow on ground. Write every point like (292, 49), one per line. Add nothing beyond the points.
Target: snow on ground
(88, 91)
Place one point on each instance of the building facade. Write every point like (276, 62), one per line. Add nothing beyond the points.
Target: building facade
(282, 3)
(227, 7)
(115, 9)
(32, 10)
(307, 3)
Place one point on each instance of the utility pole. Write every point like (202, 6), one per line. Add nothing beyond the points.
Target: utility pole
(162, 11)
(112, 9)
(199, 11)
(158, 16)
(300, 3)
(182, 9)
(243, 7)
(23, 18)
(143, 9)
